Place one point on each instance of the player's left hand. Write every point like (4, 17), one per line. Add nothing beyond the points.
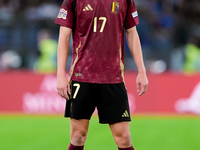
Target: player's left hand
(141, 83)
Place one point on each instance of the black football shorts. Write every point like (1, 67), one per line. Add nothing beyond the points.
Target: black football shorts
(111, 101)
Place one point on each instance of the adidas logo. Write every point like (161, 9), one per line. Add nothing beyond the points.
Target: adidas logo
(125, 114)
(88, 8)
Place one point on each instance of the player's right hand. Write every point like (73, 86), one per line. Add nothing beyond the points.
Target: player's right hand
(63, 87)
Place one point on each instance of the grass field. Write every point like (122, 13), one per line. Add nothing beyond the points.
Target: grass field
(24, 132)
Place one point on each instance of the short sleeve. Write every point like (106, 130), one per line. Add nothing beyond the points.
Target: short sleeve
(66, 15)
(131, 16)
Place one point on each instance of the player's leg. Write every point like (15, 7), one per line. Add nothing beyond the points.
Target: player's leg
(79, 130)
(113, 108)
(121, 135)
(79, 109)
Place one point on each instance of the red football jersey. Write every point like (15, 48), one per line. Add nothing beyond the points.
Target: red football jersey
(98, 37)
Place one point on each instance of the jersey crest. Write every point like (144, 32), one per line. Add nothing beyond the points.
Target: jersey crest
(114, 7)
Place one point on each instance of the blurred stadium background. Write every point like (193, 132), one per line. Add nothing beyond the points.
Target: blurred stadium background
(165, 118)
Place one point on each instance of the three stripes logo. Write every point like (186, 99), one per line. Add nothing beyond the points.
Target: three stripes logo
(114, 7)
(125, 114)
(88, 8)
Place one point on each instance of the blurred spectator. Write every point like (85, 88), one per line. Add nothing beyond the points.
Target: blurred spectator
(192, 55)
(46, 62)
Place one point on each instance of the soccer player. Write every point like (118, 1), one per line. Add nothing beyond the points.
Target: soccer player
(97, 70)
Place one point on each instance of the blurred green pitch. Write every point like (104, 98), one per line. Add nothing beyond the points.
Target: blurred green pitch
(26, 132)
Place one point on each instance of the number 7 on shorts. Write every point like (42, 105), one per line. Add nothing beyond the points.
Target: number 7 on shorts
(77, 89)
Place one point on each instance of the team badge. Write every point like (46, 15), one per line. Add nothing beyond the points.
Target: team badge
(134, 14)
(62, 14)
(114, 7)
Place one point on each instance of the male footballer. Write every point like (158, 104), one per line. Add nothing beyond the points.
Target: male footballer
(97, 70)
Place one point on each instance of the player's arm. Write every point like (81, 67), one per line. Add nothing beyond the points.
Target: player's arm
(136, 51)
(63, 86)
